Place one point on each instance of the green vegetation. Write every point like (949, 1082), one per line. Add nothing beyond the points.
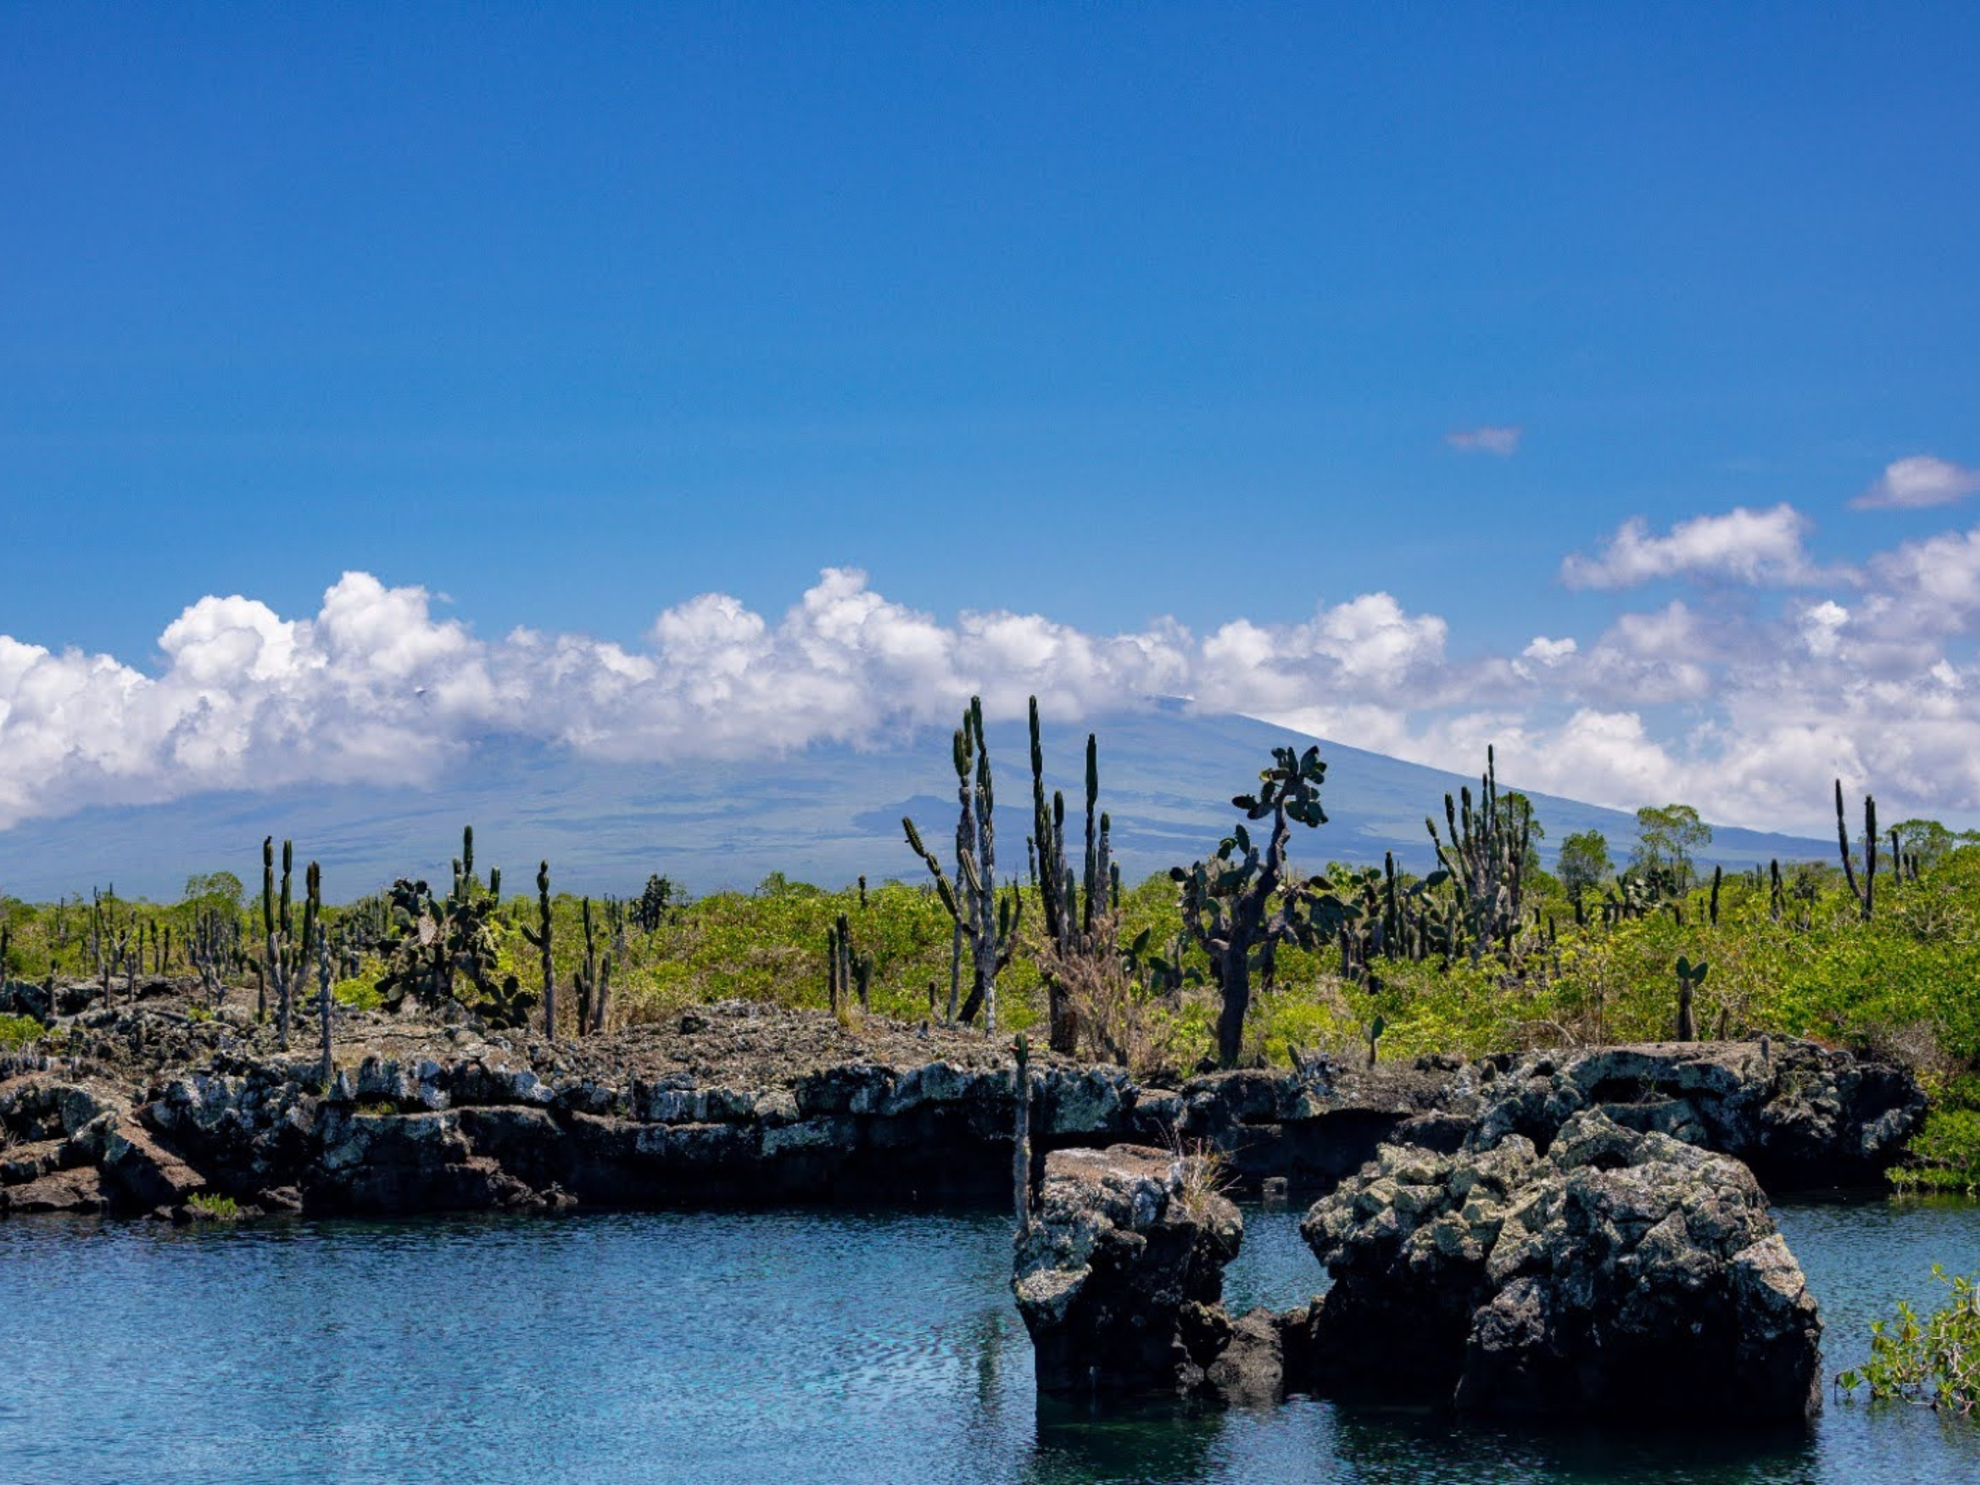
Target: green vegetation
(1668, 839)
(359, 994)
(17, 1031)
(1936, 1362)
(211, 1207)
(1244, 957)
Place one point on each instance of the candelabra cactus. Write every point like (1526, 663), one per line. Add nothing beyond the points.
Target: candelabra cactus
(1070, 914)
(593, 982)
(1865, 894)
(1486, 858)
(284, 957)
(989, 925)
(539, 939)
(848, 972)
(313, 909)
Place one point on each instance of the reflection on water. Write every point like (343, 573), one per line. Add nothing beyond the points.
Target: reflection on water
(769, 1346)
(1159, 1440)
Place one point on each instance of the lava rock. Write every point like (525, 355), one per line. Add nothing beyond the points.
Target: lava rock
(1119, 1248)
(1620, 1274)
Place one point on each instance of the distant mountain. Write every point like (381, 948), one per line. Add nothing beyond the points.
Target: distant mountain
(825, 815)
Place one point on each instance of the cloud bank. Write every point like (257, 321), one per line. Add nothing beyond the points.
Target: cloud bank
(1744, 695)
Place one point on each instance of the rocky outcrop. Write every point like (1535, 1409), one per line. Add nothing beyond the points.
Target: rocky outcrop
(1119, 1279)
(1799, 1114)
(749, 1104)
(85, 1151)
(1621, 1273)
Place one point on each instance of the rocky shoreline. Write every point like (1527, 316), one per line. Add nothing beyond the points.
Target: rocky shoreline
(157, 1108)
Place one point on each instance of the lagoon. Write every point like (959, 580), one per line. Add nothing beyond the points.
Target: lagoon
(772, 1346)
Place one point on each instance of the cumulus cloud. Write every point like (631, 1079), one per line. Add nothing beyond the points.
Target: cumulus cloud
(1758, 548)
(374, 687)
(1921, 480)
(1743, 701)
(1499, 440)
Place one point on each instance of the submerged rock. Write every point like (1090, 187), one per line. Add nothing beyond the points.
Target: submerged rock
(1621, 1273)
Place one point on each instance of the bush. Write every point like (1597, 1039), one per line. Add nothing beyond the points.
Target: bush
(1936, 1363)
(17, 1031)
(1947, 1150)
(359, 995)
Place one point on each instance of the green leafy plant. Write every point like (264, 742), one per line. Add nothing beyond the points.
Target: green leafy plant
(359, 994)
(1945, 1154)
(1935, 1362)
(17, 1031)
(207, 1206)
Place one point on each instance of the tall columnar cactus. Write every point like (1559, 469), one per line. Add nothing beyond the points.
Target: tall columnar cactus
(1071, 915)
(1227, 902)
(284, 957)
(1866, 894)
(585, 979)
(539, 939)
(989, 925)
(848, 972)
(1486, 858)
(593, 982)
(312, 914)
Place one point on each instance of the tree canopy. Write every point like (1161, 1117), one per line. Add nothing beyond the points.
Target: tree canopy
(1584, 862)
(1667, 840)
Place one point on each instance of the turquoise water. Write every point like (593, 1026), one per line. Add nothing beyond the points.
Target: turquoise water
(766, 1347)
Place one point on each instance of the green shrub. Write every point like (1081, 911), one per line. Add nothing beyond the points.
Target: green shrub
(358, 994)
(17, 1031)
(1947, 1150)
(209, 1206)
(1936, 1363)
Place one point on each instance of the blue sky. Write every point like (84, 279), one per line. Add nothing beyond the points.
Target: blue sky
(1104, 315)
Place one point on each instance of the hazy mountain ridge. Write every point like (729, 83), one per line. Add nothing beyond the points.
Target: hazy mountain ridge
(825, 815)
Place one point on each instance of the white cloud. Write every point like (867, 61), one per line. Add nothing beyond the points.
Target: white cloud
(1918, 481)
(1759, 548)
(1822, 627)
(1743, 703)
(1500, 440)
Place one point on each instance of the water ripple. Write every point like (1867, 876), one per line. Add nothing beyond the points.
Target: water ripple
(766, 1346)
